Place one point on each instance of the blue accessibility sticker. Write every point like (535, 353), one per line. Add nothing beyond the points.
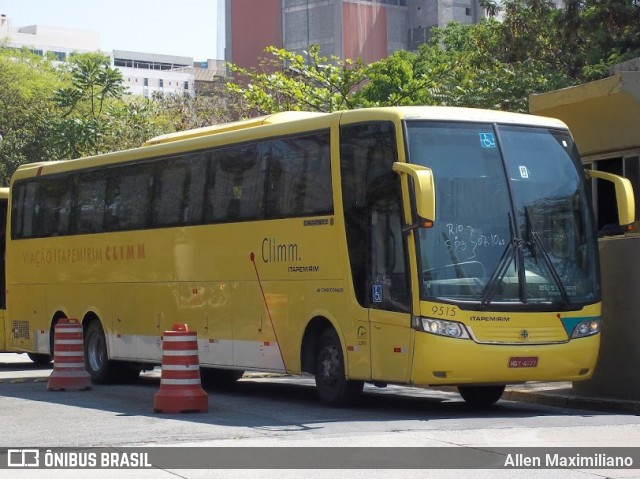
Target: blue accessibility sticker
(487, 140)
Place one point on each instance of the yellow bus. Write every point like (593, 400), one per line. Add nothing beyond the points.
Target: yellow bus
(415, 245)
(4, 198)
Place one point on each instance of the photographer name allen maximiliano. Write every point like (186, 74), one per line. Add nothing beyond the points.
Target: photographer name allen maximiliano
(594, 461)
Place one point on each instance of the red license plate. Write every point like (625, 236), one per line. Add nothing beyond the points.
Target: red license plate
(523, 362)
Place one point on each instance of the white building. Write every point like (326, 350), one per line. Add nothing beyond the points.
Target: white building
(143, 73)
(44, 39)
(146, 73)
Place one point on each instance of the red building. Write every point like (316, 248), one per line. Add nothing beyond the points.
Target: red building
(369, 29)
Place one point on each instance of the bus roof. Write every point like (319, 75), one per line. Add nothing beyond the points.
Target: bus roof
(281, 117)
(278, 124)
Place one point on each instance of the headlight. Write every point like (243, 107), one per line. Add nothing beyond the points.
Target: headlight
(450, 329)
(586, 328)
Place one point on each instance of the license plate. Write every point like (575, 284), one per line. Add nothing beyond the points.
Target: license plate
(523, 362)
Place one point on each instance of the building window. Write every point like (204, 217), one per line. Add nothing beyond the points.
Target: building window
(146, 82)
(467, 11)
(161, 83)
(186, 85)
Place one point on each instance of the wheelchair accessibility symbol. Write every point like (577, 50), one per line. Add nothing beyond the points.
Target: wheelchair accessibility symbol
(487, 140)
(376, 292)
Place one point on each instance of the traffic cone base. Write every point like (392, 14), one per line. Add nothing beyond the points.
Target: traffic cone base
(180, 387)
(69, 373)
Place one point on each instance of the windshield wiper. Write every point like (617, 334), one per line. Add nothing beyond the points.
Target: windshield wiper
(501, 268)
(537, 241)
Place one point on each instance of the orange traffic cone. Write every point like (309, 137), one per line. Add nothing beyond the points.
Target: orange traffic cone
(68, 358)
(180, 387)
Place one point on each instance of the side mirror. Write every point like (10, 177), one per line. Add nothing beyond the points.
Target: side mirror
(624, 195)
(424, 188)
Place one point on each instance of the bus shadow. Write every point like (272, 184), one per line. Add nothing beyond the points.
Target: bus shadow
(10, 365)
(275, 404)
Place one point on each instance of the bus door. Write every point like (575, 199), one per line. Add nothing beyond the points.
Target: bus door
(372, 202)
(389, 297)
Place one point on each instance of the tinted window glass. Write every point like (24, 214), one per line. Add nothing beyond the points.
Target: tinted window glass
(90, 204)
(128, 197)
(299, 180)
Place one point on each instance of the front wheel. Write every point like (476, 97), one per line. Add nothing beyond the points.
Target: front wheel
(481, 396)
(332, 385)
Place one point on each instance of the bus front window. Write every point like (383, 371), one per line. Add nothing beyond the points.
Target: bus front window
(513, 222)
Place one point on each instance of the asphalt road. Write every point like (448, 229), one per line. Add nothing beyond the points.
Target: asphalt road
(283, 412)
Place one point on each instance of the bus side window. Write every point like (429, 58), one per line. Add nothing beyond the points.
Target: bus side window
(168, 203)
(195, 187)
(220, 193)
(90, 203)
(318, 197)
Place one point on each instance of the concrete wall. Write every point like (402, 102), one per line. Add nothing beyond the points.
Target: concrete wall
(364, 32)
(253, 26)
(617, 373)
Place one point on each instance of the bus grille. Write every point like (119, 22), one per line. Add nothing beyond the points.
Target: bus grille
(519, 335)
(20, 330)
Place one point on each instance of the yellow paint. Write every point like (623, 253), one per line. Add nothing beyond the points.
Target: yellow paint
(264, 282)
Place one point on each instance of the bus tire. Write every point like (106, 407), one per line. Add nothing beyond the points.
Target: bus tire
(95, 353)
(332, 384)
(481, 396)
(40, 359)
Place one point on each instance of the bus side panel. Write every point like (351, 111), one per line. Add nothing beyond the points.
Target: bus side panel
(254, 339)
(29, 330)
(205, 307)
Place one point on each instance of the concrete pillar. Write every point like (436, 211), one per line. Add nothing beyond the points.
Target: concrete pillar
(617, 372)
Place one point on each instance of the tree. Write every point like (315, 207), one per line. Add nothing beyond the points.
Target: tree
(27, 83)
(184, 112)
(596, 34)
(292, 81)
(85, 104)
(462, 65)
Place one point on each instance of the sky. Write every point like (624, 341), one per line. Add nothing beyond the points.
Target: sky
(172, 27)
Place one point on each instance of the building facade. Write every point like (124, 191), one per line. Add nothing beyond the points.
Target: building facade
(143, 73)
(369, 29)
(43, 40)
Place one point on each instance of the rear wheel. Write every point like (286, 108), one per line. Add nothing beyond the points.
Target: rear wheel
(95, 354)
(332, 385)
(481, 396)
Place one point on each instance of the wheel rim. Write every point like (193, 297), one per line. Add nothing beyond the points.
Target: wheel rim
(95, 352)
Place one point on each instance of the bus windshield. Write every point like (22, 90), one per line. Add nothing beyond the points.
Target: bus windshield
(513, 222)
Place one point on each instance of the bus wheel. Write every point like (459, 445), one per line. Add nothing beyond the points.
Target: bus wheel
(95, 353)
(40, 359)
(481, 396)
(332, 385)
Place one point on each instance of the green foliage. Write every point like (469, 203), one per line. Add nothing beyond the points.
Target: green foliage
(183, 112)
(291, 81)
(27, 83)
(85, 105)
(462, 65)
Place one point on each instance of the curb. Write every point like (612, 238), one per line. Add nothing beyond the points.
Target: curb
(565, 398)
